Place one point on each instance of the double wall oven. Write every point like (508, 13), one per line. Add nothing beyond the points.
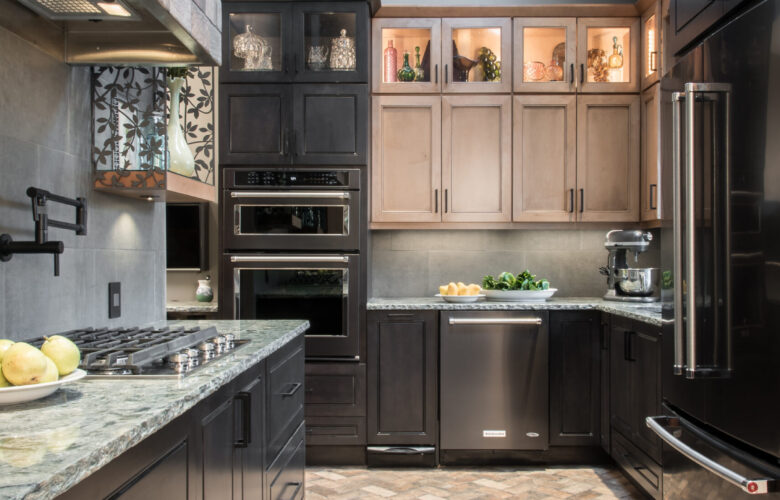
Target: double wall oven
(291, 243)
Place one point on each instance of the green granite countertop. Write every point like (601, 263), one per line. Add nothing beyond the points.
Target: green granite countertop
(646, 312)
(49, 445)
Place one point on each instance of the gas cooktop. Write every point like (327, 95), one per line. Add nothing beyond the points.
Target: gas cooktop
(148, 352)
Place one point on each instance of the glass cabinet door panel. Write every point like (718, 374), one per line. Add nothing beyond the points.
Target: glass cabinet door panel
(544, 54)
(256, 42)
(329, 41)
(608, 54)
(406, 55)
(478, 55)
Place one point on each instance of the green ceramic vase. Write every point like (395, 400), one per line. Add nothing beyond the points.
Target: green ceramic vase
(406, 73)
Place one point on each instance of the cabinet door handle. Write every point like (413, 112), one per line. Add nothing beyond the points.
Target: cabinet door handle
(582, 200)
(400, 315)
(292, 391)
(246, 419)
(436, 201)
(295, 63)
(446, 73)
(571, 200)
(293, 143)
(582, 74)
(653, 187)
(571, 74)
(629, 345)
(446, 200)
(436, 72)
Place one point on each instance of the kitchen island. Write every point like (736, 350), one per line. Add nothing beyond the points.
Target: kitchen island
(51, 445)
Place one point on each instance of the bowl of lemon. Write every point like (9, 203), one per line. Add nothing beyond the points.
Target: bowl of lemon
(460, 293)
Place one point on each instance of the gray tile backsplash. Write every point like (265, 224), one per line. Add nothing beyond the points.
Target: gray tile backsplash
(45, 141)
(415, 263)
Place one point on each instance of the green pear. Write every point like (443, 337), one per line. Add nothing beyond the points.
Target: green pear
(52, 374)
(63, 352)
(23, 364)
(4, 345)
(3, 381)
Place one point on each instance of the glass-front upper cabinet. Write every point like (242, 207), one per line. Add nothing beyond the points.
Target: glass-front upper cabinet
(544, 54)
(256, 43)
(406, 55)
(608, 54)
(306, 42)
(334, 42)
(651, 45)
(477, 55)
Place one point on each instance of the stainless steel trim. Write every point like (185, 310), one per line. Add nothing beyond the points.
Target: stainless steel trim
(727, 227)
(757, 486)
(402, 450)
(291, 194)
(495, 321)
(289, 258)
(690, 231)
(679, 333)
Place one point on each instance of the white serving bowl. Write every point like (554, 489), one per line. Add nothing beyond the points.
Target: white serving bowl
(461, 299)
(519, 295)
(23, 393)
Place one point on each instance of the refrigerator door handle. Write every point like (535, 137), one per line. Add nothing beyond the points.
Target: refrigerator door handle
(659, 425)
(679, 332)
(692, 91)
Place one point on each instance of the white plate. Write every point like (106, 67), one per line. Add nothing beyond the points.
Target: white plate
(23, 393)
(519, 295)
(461, 299)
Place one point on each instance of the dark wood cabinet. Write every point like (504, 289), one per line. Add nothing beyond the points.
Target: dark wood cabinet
(219, 467)
(689, 19)
(575, 370)
(285, 396)
(635, 393)
(402, 377)
(335, 404)
(251, 413)
(255, 124)
(604, 341)
(288, 37)
(329, 124)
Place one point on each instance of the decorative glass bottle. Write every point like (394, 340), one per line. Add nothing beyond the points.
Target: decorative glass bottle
(406, 73)
(419, 72)
(616, 59)
(391, 63)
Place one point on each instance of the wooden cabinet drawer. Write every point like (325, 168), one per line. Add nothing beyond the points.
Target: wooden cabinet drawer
(336, 431)
(286, 475)
(640, 467)
(284, 400)
(335, 389)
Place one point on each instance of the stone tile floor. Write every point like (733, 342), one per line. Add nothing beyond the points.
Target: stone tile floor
(530, 483)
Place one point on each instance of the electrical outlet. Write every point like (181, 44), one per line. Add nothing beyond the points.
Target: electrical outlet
(114, 299)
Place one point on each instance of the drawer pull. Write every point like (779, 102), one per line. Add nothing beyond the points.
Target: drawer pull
(296, 487)
(292, 391)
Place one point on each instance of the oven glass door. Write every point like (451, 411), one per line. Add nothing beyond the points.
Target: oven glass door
(277, 220)
(320, 289)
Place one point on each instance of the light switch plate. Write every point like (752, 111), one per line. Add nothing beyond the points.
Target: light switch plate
(114, 299)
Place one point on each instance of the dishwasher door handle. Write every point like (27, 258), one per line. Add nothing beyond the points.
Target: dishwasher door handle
(495, 321)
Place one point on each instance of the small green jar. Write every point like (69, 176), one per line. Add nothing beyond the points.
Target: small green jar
(406, 73)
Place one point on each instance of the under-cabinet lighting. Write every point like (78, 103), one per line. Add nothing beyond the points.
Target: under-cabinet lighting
(114, 9)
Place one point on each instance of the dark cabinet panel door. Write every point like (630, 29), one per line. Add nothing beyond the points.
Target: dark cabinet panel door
(620, 366)
(166, 478)
(285, 396)
(250, 424)
(331, 123)
(218, 453)
(255, 124)
(690, 18)
(604, 428)
(256, 42)
(402, 377)
(646, 387)
(335, 389)
(316, 27)
(574, 378)
(286, 472)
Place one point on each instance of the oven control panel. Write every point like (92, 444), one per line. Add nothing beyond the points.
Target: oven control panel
(343, 179)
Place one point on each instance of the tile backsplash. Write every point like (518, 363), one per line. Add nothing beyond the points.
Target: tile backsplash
(45, 139)
(415, 263)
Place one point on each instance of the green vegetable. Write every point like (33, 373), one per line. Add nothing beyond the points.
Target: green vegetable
(508, 281)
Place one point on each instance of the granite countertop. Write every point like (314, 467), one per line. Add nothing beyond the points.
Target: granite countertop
(192, 307)
(49, 445)
(646, 312)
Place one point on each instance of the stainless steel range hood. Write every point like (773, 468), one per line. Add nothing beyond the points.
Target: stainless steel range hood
(154, 32)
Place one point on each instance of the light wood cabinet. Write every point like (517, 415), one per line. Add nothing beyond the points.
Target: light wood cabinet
(551, 41)
(462, 39)
(544, 158)
(608, 54)
(608, 158)
(651, 44)
(406, 153)
(651, 154)
(477, 158)
(406, 34)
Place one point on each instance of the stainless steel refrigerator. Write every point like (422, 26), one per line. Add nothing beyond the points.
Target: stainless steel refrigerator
(721, 263)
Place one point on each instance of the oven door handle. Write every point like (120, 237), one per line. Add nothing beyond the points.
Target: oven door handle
(289, 258)
(341, 195)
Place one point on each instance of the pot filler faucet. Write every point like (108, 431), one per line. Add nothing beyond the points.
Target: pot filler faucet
(39, 197)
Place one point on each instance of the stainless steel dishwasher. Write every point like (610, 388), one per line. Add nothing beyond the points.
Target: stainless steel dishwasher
(494, 381)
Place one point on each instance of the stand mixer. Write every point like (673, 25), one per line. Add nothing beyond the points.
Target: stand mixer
(626, 283)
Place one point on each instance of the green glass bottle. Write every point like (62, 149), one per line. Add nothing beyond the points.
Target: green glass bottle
(419, 72)
(406, 73)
